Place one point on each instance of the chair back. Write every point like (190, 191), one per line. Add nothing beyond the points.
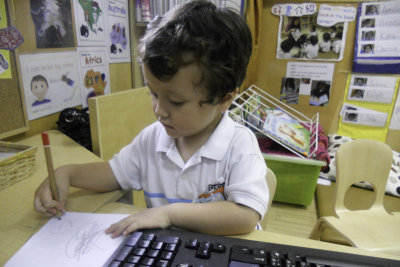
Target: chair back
(271, 182)
(115, 119)
(362, 160)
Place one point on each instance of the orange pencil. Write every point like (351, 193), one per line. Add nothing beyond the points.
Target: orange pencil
(50, 169)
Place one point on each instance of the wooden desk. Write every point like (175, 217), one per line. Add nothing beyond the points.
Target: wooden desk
(18, 220)
(264, 236)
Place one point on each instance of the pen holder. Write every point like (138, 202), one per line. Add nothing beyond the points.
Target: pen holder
(17, 163)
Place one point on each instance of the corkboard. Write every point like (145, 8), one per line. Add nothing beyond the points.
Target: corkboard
(12, 111)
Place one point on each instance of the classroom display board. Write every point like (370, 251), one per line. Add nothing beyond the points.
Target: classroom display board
(12, 111)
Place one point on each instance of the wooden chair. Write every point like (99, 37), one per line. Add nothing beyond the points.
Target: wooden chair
(271, 181)
(115, 119)
(372, 229)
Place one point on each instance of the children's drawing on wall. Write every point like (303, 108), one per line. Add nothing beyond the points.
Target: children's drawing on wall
(90, 22)
(94, 72)
(49, 82)
(290, 90)
(306, 36)
(320, 93)
(118, 31)
(39, 88)
(53, 23)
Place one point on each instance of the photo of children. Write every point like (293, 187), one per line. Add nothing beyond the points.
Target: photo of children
(39, 88)
(367, 49)
(358, 81)
(320, 93)
(368, 35)
(357, 93)
(371, 10)
(302, 38)
(350, 116)
(290, 90)
(368, 23)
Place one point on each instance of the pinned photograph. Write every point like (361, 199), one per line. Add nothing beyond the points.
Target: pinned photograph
(290, 91)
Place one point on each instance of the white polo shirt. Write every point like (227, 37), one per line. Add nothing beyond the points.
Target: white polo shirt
(228, 166)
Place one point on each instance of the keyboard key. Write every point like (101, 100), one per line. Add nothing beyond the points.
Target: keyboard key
(133, 238)
(158, 245)
(123, 253)
(153, 253)
(143, 243)
(114, 264)
(162, 263)
(148, 261)
(241, 249)
(218, 247)
(192, 243)
(139, 251)
(166, 255)
(149, 237)
(250, 258)
(169, 239)
(171, 247)
(242, 264)
(204, 250)
(134, 259)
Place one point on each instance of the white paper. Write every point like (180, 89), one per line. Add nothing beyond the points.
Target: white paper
(310, 72)
(330, 15)
(78, 239)
(395, 120)
(363, 116)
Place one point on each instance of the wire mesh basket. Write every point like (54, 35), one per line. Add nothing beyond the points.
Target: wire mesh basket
(269, 117)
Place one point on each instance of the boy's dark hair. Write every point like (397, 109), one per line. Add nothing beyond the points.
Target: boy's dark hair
(313, 39)
(326, 36)
(287, 45)
(38, 78)
(216, 39)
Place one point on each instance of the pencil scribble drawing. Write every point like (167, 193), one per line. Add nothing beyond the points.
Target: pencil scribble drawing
(83, 240)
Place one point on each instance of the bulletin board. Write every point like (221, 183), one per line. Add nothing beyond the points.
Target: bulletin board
(269, 70)
(12, 110)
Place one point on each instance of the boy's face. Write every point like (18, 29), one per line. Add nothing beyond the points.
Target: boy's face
(176, 104)
(39, 89)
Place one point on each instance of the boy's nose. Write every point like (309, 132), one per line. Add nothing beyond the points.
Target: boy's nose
(160, 110)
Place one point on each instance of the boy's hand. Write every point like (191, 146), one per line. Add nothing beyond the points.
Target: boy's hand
(44, 200)
(151, 218)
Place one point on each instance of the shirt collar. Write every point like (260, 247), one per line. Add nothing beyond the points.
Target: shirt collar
(216, 145)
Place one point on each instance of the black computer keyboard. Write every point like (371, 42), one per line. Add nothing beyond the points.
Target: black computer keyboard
(177, 248)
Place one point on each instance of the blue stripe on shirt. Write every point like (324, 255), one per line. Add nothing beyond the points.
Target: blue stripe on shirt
(169, 200)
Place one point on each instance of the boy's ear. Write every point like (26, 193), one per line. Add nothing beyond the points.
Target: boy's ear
(228, 99)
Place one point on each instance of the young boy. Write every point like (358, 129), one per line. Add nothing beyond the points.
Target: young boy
(199, 170)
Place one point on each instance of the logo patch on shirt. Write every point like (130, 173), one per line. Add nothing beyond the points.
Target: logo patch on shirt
(215, 192)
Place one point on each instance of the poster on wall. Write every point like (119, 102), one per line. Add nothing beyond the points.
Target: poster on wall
(53, 23)
(5, 70)
(306, 34)
(378, 38)
(91, 22)
(118, 31)
(94, 72)
(50, 82)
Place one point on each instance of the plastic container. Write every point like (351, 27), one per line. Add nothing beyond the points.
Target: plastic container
(296, 178)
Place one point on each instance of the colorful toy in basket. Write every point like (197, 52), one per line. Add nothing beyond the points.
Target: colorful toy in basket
(287, 130)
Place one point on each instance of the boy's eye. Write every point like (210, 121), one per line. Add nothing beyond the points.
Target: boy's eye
(153, 94)
(177, 103)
